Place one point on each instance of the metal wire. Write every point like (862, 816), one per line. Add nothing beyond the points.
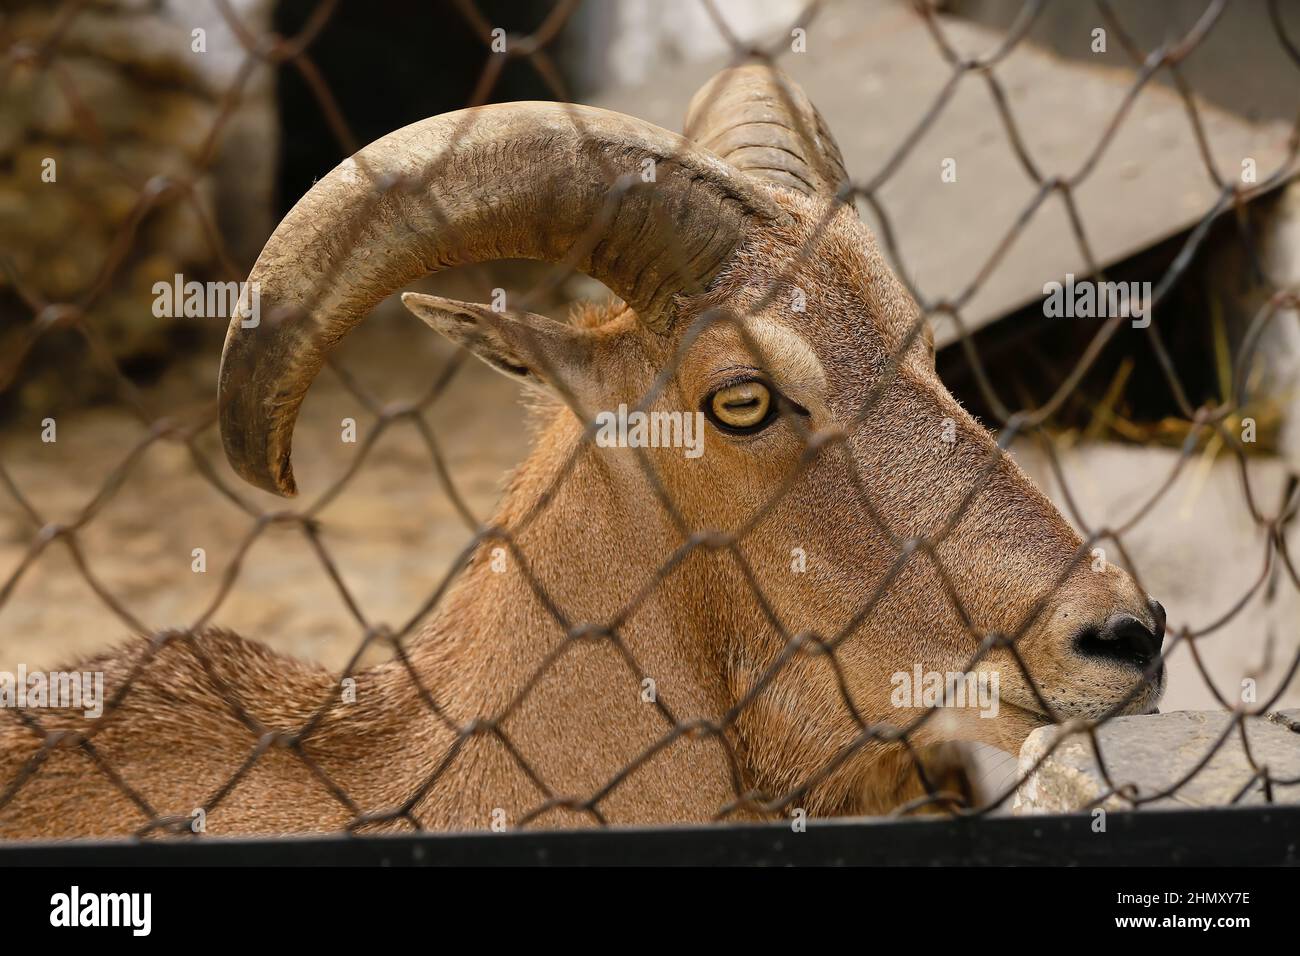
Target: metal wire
(273, 51)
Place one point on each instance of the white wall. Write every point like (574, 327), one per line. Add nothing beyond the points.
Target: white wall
(616, 44)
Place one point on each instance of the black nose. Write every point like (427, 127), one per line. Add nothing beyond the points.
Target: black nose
(1125, 639)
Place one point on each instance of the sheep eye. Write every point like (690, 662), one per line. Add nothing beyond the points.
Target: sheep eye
(744, 407)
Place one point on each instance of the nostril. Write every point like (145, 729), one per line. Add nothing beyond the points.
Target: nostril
(1158, 612)
(1123, 639)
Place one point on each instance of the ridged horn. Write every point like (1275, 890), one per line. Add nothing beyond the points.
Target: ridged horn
(512, 180)
(761, 121)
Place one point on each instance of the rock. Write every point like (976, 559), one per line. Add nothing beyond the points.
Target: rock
(1153, 753)
(126, 100)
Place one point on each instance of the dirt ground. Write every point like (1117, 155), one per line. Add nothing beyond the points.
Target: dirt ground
(393, 532)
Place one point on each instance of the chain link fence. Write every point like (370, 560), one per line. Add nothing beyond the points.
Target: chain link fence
(44, 735)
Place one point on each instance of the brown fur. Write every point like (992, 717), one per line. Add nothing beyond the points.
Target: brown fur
(702, 633)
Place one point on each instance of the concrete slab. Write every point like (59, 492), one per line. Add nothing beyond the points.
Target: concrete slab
(874, 70)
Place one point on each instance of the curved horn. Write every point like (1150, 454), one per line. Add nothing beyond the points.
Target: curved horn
(513, 180)
(760, 121)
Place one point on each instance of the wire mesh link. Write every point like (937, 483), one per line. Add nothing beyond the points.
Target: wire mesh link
(270, 51)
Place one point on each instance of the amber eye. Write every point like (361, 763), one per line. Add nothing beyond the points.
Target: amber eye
(743, 407)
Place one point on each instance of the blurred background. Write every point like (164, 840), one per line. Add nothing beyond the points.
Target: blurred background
(169, 159)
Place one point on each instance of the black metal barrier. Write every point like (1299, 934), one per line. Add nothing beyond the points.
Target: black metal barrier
(1234, 836)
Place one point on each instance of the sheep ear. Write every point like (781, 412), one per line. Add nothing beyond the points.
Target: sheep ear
(522, 345)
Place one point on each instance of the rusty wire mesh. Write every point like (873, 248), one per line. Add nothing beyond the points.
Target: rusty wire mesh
(272, 51)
